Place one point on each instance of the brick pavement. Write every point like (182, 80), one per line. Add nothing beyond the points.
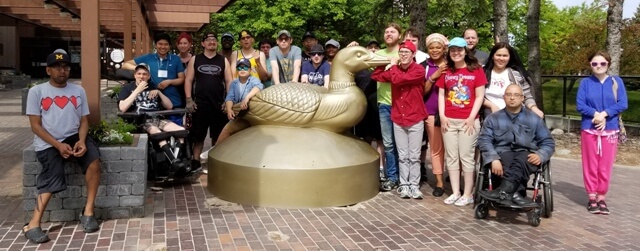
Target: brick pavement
(187, 217)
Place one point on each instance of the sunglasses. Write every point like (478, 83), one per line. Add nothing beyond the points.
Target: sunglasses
(316, 54)
(515, 95)
(242, 68)
(603, 64)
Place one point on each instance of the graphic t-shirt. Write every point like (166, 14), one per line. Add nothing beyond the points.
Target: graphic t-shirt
(497, 87)
(460, 91)
(59, 108)
(316, 76)
(161, 69)
(286, 61)
(142, 103)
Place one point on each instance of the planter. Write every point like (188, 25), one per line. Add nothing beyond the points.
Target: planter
(122, 190)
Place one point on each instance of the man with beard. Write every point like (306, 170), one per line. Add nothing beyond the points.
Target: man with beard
(471, 36)
(227, 45)
(392, 40)
(211, 73)
(58, 114)
(167, 72)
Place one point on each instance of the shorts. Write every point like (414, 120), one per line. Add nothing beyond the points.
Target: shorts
(52, 178)
(157, 123)
(206, 118)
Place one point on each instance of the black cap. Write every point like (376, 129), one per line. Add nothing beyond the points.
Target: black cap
(308, 34)
(244, 33)
(373, 42)
(58, 56)
(141, 66)
(162, 36)
(243, 61)
(208, 35)
(317, 48)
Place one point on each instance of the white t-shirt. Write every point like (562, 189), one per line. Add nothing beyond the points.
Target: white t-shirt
(497, 87)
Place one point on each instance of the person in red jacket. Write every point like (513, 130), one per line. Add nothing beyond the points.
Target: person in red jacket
(407, 113)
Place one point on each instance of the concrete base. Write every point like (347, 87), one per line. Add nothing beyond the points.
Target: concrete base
(289, 167)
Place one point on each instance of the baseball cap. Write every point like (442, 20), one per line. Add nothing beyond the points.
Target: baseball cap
(208, 35)
(243, 61)
(408, 45)
(373, 42)
(244, 33)
(458, 42)
(141, 66)
(58, 55)
(227, 34)
(308, 34)
(317, 48)
(162, 36)
(284, 32)
(333, 43)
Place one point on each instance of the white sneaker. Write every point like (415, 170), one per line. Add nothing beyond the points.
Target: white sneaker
(452, 199)
(404, 191)
(416, 193)
(204, 156)
(464, 201)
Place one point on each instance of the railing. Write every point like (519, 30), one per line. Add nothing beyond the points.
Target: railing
(574, 79)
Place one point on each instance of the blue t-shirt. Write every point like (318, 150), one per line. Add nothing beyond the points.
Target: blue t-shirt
(316, 76)
(172, 65)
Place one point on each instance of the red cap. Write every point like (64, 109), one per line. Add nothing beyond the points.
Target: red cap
(409, 45)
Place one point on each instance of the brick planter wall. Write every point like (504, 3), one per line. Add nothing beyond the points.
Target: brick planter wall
(121, 193)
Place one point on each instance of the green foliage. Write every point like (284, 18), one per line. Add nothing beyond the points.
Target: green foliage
(112, 132)
(114, 91)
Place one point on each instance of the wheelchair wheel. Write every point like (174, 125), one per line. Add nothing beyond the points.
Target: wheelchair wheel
(478, 186)
(535, 217)
(548, 193)
(481, 210)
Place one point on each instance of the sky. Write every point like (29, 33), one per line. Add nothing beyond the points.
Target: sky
(628, 9)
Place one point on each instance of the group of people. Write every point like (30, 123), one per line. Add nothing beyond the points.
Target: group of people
(442, 93)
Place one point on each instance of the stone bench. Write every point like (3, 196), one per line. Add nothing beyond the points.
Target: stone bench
(122, 190)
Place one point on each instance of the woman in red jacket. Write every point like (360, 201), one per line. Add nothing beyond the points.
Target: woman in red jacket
(407, 113)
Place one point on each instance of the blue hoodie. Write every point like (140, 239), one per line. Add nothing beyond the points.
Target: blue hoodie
(594, 96)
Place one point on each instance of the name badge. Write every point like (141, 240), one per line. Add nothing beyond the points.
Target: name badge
(162, 73)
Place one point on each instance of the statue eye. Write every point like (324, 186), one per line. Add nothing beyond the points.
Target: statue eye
(358, 54)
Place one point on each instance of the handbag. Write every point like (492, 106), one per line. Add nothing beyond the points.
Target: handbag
(622, 133)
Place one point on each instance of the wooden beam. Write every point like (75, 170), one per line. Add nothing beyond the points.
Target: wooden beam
(90, 51)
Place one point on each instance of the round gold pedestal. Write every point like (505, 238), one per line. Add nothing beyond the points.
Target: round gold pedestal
(290, 167)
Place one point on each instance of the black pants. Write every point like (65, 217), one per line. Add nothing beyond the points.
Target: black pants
(516, 168)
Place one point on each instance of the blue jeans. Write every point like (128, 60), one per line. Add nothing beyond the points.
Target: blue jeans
(390, 153)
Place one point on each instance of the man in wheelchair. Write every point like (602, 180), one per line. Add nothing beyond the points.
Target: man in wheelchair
(138, 97)
(515, 141)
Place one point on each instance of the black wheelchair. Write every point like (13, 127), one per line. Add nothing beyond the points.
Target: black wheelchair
(160, 168)
(543, 200)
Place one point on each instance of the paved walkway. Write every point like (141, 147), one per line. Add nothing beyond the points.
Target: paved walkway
(187, 217)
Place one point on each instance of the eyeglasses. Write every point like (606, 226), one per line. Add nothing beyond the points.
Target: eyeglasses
(245, 38)
(242, 68)
(603, 64)
(283, 39)
(515, 95)
(313, 54)
(61, 67)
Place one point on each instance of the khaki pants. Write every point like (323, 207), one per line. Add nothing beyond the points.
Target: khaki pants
(459, 146)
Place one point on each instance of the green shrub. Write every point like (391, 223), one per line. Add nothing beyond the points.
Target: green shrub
(112, 132)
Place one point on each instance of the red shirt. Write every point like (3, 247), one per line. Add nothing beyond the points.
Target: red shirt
(460, 91)
(407, 88)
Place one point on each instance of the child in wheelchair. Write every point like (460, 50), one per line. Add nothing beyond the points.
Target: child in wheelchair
(514, 142)
(145, 105)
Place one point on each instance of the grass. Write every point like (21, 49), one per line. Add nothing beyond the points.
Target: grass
(552, 97)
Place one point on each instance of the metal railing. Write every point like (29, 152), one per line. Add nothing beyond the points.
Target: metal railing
(574, 79)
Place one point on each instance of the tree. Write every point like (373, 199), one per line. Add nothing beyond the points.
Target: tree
(500, 11)
(418, 18)
(614, 36)
(533, 41)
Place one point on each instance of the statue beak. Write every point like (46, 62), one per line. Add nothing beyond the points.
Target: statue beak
(376, 60)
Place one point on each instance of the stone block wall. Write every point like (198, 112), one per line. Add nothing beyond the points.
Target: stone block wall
(122, 190)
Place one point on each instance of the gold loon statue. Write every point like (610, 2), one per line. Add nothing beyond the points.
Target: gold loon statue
(305, 105)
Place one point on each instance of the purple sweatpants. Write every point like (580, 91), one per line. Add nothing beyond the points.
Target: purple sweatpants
(597, 164)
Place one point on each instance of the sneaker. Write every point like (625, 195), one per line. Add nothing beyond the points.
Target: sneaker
(603, 207)
(452, 199)
(388, 185)
(594, 207)
(438, 192)
(416, 193)
(464, 201)
(404, 191)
